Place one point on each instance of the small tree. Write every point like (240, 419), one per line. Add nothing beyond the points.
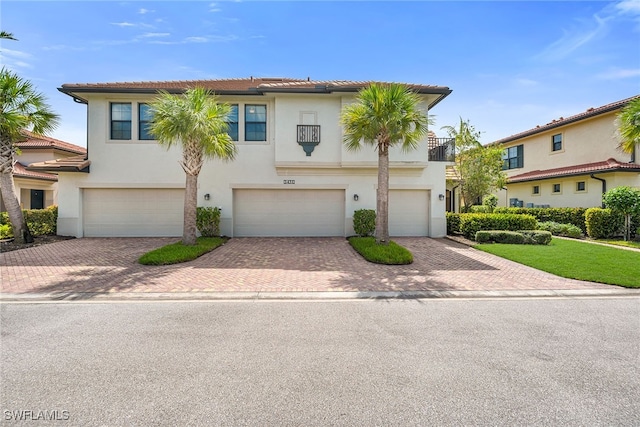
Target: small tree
(625, 200)
(490, 201)
(478, 168)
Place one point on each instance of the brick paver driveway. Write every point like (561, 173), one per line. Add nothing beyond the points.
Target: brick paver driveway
(100, 265)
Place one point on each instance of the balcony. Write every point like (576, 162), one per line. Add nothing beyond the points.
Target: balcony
(308, 137)
(442, 149)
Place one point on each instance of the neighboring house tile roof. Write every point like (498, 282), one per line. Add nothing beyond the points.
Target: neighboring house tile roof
(591, 112)
(39, 141)
(246, 86)
(20, 171)
(68, 164)
(610, 165)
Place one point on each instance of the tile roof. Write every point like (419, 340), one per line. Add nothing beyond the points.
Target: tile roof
(20, 171)
(591, 112)
(609, 165)
(244, 86)
(39, 141)
(68, 164)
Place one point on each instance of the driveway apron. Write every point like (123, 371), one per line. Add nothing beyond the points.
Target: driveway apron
(109, 265)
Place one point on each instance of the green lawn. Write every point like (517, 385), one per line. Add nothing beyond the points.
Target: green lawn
(575, 260)
(176, 253)
(391, 254)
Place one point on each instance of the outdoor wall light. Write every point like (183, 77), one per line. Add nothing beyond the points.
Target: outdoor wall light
(355, 197)
(441, 197)
(207, 196)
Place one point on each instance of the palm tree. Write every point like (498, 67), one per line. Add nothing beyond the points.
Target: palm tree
(21, 108)
(197, 122)
(384, 115)
(5, 35)
(629, 126)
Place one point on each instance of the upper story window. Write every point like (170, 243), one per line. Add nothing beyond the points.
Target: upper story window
(120, 120)
(145, 115)
(255, 122)
(535, 189)
(556, 189)
(581, 186)
(513, 157)
(232, 122)
(556, 142)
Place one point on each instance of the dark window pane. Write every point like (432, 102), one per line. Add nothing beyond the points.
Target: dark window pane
(232, 122)
(145, 115)
(120, 120)
(255, 132)
(120, 130)
(255, 122)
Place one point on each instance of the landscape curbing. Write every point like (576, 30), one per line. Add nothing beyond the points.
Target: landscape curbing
(312, 296)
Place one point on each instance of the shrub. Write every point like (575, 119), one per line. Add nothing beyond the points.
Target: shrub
(536, 237)
(5, 231)
(364, 222)
(478, 209)
(566, 230)
(471, 223)
(603, 223)
(573, 216)
(208, 221)
(453, 223)
(500, 236)
(40, 222)
(490, 202)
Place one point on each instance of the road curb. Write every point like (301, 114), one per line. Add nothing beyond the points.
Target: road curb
(313, 296)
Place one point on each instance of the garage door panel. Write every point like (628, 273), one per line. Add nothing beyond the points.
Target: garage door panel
(288, 212)
(133, 212)
(409, 212)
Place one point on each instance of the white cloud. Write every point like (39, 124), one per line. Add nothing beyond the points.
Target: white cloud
(576, 37)
(213, 7)
(522, 81)
(123, 24)
(153, 35)
(619, 73)
(144, 11)
(629, 7)
(196, 40)
(15, 53)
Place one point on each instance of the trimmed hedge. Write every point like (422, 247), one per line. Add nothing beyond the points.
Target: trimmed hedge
(40, 222)
(208, 221)
(566, 230)
(573, 216)
(471, 223)
(603, 223)
(453, 223)
(527, 237)
(364, 222)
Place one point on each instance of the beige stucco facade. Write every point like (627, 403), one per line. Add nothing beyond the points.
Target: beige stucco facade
(279, 163)
(571, 175)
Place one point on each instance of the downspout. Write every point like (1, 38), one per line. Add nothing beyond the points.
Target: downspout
(604, 185)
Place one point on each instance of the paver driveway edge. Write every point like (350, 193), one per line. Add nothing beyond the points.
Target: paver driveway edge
(264, 268)
(315, 296)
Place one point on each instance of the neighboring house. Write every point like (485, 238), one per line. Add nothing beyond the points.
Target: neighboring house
(292, 176)
(569, 162)
(36, 189)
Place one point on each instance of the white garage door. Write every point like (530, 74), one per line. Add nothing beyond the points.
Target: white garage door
(409, 212)
(288, 212)
(118, 212)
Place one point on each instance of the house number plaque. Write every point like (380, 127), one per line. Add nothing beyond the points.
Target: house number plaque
(289, 181)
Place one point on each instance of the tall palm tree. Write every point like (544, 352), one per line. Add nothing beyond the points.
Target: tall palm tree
(197, 122)
(629, 126)
(384, 115)
(21, 107)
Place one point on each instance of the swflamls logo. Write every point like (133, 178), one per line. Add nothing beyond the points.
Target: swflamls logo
(30, 415)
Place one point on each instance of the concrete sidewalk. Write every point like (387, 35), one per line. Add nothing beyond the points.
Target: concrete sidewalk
(259, 268)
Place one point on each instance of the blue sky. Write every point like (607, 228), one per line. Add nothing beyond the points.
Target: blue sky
(512, 65)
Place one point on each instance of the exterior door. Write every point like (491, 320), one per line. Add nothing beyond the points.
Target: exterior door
(37, 199)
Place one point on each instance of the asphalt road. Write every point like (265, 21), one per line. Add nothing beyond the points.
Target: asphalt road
(346, 363)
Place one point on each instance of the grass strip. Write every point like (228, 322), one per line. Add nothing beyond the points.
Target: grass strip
(628, 243)
(391, 254)
(176, 253)
(574, 259)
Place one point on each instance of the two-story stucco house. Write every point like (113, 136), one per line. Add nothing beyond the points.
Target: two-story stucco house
(292, 175)
(569, 162)
(37, 189)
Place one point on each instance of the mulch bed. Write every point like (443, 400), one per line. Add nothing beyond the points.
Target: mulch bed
(13, 245)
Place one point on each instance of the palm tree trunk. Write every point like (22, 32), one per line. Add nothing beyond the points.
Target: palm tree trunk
(20, 230)
(190, 204)
(382, 205)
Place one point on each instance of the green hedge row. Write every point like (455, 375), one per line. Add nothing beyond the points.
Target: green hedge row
(471, 223)
(39, 221)
(526, 237)
(573, 216)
